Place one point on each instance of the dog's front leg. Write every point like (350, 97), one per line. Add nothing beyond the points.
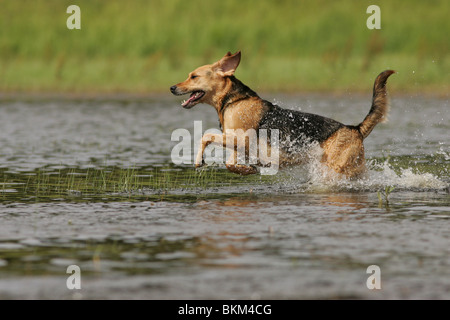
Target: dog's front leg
(239, 151)
(205, 141)
(228, 141)
(241, 169)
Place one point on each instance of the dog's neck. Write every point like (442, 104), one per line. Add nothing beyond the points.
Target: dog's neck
(234, 91)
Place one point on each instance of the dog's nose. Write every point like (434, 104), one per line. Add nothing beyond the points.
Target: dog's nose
(173, 88)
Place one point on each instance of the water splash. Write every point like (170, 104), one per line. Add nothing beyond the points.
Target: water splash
(315, 178)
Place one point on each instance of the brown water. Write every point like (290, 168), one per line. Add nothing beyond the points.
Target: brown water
(290, 236)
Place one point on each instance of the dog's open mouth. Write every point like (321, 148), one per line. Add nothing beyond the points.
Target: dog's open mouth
(193, 99)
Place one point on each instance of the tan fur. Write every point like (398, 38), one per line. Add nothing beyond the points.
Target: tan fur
(343, 151)
(225, 140)
(380, 105)
(245, 115)
(214, 80)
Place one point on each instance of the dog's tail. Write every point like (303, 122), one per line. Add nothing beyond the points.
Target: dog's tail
(380, 105)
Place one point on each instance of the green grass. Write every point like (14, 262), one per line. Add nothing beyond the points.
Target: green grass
(167, 182)
(112, 182)
(145, 46)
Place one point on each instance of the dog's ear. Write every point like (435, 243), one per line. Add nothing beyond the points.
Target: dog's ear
(228, 64)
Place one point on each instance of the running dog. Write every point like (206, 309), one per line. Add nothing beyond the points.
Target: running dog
(239, 107)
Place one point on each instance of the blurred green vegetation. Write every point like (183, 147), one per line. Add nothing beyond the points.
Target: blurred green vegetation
(142, 46)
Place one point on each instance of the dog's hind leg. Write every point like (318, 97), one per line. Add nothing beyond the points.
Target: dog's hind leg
(344, 153)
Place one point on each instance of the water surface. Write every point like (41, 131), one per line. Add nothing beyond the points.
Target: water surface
(90, 182)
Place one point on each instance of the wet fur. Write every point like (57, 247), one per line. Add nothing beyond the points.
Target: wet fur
(239, 107)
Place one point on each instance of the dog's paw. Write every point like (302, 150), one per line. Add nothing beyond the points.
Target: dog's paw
(243, 169)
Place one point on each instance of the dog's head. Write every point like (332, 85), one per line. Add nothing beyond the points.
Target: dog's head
(205, 82)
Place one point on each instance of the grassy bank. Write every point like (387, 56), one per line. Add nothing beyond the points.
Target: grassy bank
(146, 46)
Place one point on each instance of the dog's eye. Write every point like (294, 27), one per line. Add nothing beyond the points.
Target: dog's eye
(194, 76)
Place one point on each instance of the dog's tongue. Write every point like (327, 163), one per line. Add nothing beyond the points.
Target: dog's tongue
(193, 96)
